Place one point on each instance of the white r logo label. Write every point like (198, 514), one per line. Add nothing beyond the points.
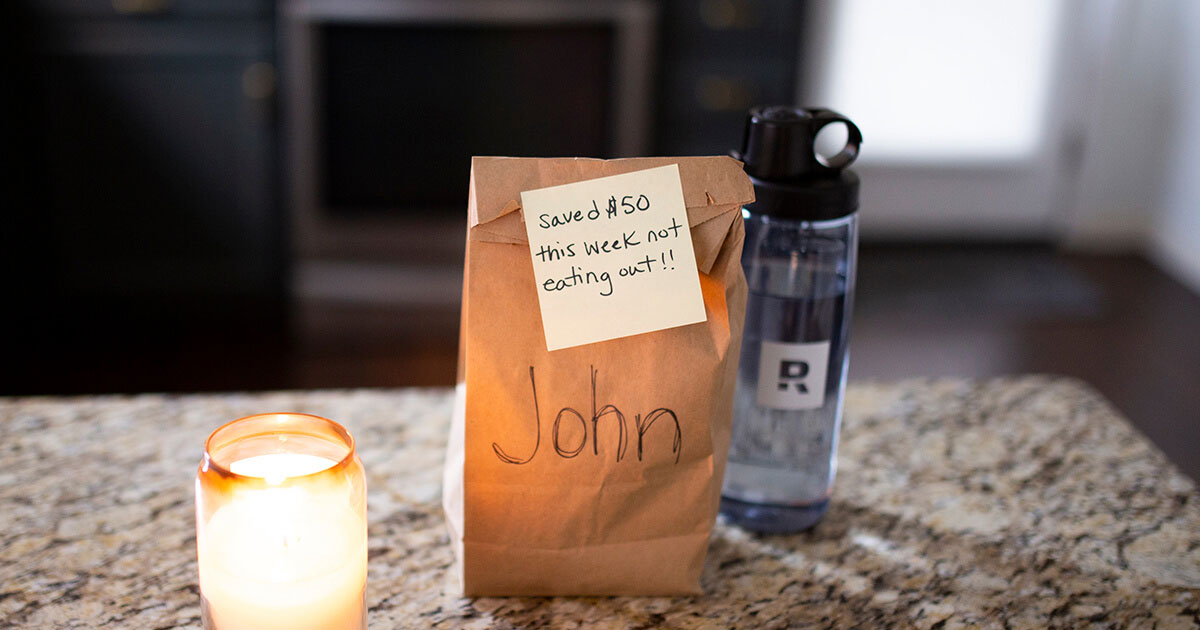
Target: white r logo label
(792, 375)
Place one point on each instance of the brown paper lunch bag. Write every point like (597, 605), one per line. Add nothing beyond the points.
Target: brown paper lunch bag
(629, 511)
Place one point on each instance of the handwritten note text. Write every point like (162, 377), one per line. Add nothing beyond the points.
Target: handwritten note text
(612, 257)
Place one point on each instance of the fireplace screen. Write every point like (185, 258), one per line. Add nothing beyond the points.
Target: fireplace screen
(402, 108)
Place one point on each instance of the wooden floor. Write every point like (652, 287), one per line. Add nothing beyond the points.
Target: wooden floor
(1115, 322)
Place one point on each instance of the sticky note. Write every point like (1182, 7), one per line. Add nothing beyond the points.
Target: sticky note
(612, 257)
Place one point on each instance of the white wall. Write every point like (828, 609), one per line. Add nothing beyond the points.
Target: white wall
(1121, 162)
(1174, 239)
(1138, 182)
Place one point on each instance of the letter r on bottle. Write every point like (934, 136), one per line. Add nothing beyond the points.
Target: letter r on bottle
(793, 369)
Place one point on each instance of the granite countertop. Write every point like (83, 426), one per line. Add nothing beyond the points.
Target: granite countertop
(1013, 503)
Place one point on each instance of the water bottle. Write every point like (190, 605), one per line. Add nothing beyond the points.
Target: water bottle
(799, 257)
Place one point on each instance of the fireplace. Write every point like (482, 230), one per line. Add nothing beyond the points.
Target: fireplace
(386, 100)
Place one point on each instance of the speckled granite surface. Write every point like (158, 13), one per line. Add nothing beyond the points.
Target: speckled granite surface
(1018, 503)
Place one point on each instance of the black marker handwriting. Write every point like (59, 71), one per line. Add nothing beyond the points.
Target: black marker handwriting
(570, 414)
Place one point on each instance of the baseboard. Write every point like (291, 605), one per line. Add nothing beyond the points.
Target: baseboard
(1179, 256)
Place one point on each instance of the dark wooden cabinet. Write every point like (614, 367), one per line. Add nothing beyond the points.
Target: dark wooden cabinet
(147, 135)
(719, 58)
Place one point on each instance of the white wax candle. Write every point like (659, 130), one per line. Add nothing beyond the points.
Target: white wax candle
(279, 466)
(292, 557)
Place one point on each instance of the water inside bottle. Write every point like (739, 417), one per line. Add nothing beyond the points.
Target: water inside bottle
(782, 462)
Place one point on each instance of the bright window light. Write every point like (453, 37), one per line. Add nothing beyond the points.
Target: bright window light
(943, 80)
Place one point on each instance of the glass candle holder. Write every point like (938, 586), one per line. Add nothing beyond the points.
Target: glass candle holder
(281, 527)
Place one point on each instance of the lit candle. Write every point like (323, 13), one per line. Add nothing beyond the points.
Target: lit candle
(280, 526)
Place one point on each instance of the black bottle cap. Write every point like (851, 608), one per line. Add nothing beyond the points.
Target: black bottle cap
(790, 181)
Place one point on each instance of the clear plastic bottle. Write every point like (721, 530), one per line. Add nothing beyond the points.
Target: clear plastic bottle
(799, 257)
